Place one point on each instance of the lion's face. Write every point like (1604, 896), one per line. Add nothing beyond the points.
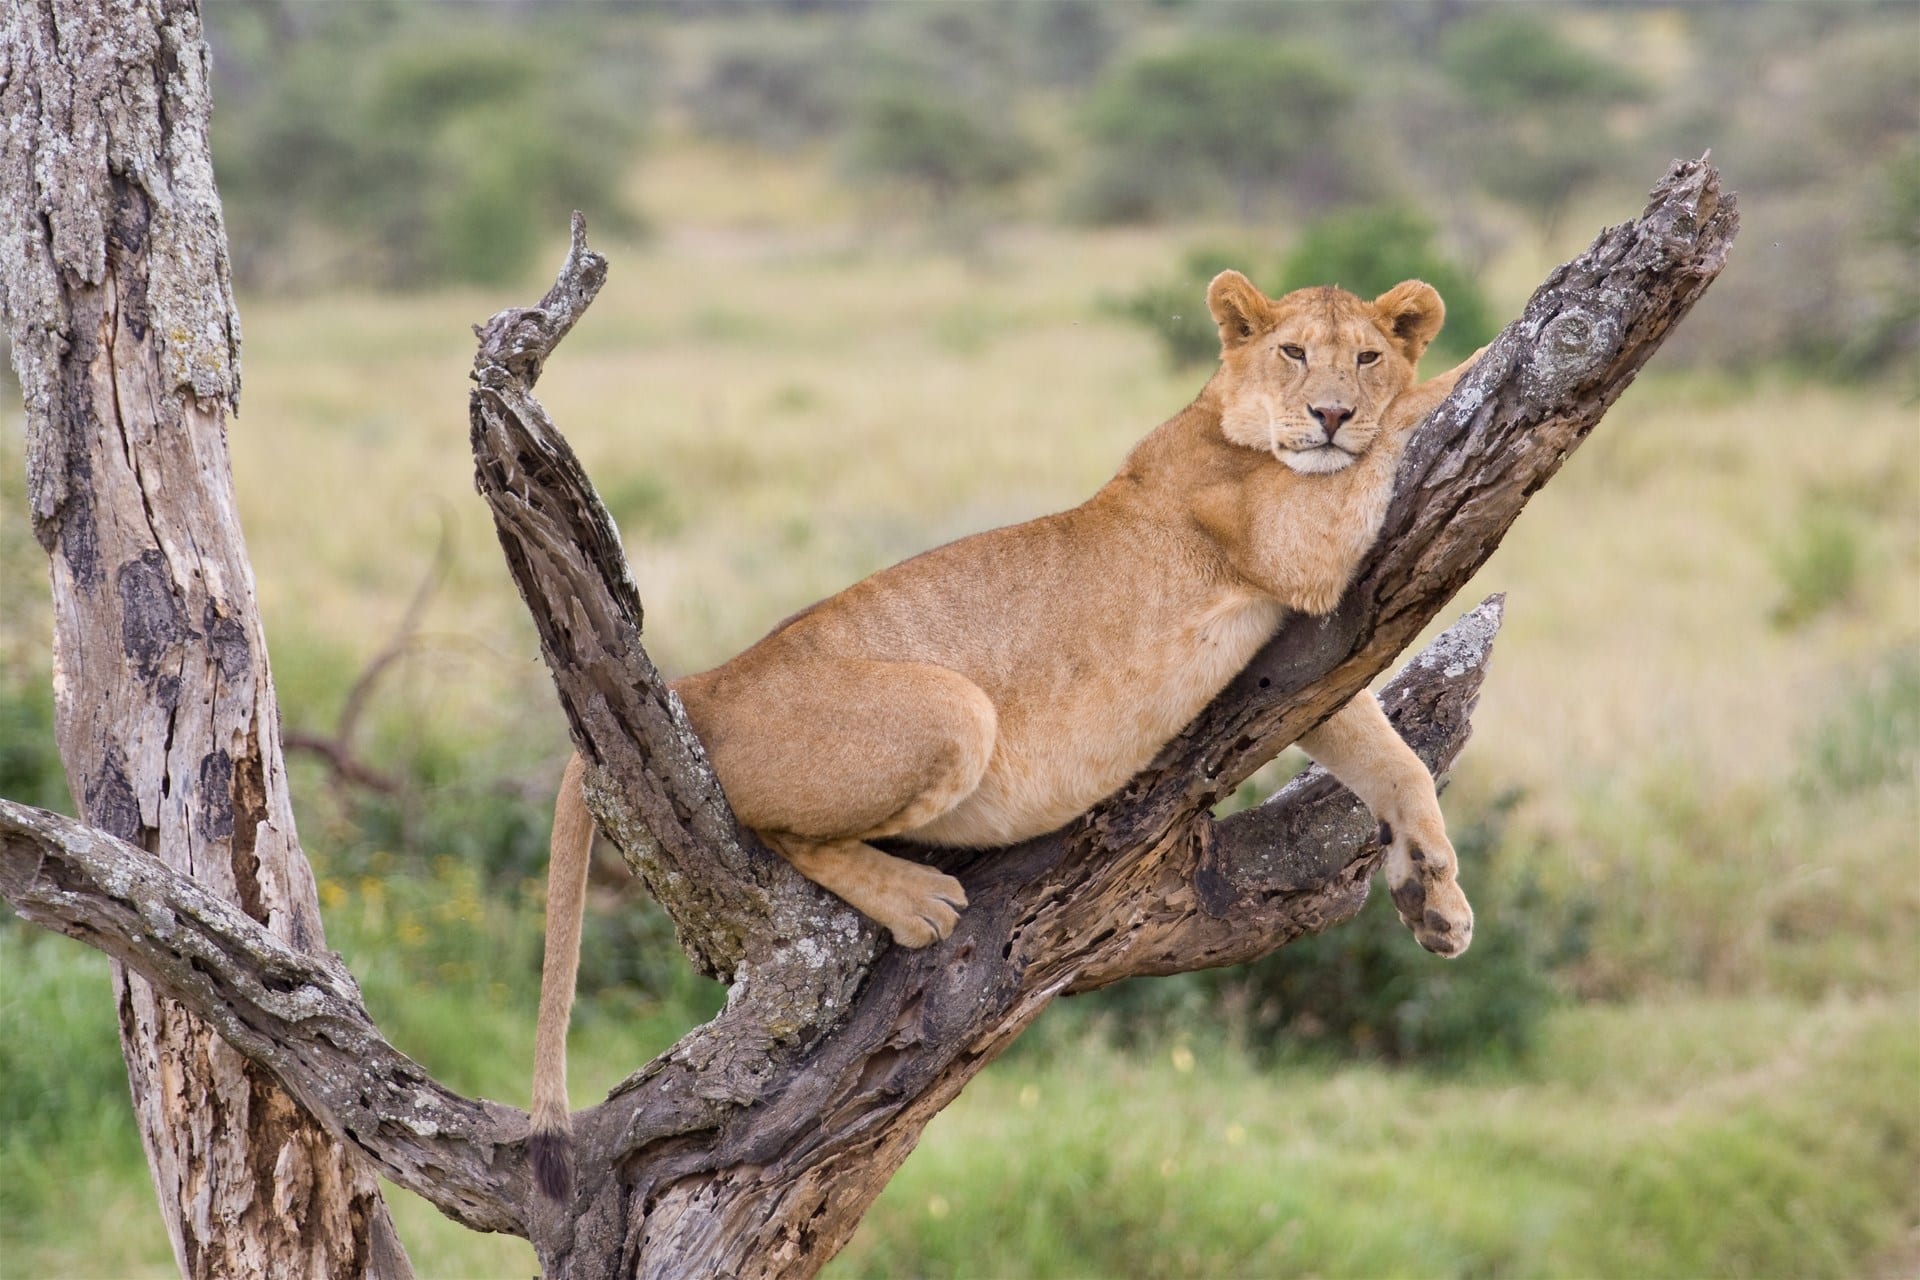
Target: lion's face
(1308, 376)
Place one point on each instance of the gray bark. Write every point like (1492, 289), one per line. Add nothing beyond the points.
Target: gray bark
(753, 1146)
(124, 335)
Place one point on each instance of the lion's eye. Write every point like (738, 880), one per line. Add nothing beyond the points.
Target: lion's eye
(1292, 352)
(1368, 357)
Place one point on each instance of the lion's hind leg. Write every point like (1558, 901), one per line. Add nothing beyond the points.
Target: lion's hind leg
(820, 754)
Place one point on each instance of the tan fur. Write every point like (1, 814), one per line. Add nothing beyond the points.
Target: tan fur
(995, 688)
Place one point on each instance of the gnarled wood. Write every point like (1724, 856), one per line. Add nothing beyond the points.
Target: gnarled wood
(127, 345)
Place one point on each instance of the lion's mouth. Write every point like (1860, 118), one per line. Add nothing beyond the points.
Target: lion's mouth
(1318, 459)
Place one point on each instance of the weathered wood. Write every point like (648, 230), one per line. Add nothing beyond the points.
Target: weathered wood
(295, 1013)
(116, 297)
(681, 1168)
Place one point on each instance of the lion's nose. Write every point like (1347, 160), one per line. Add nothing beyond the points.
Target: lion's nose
(1330, 416)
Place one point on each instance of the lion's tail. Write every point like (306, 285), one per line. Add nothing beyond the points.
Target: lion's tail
(550, 1142)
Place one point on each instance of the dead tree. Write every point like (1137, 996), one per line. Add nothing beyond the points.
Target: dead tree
(125, 338)
(754, 1145)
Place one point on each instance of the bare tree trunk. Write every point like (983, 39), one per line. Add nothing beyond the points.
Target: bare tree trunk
(125, 337)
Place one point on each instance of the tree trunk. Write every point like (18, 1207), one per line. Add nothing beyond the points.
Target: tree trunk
(124, 334)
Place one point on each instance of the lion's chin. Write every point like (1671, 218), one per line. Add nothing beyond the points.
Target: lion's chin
(1317, 462)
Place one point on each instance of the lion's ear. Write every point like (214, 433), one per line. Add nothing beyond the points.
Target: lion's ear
(1411, 313)
(1238, 308)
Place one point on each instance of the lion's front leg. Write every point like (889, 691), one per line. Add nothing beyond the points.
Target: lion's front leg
(1360, 748)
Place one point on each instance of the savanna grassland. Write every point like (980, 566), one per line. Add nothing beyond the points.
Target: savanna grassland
(1692, 793)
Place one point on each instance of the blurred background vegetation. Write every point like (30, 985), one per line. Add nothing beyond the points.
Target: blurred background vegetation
(887, 273)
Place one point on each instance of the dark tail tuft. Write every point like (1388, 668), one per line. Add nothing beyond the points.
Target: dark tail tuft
(552, 1155)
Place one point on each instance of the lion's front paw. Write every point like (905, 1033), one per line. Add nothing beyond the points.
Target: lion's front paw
(1421, 877)
(920, 906)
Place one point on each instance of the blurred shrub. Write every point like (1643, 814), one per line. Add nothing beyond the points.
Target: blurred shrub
(995, 49)
(65, 1103)
(772, 92)
(1367, 988)
(1366, 251)
(1230, 121)
(643, 505)
(453, 864)
(1873, 735)
(1067, 42)
(943, 147)
(416, 145)
(30, 768)
(1890, 336)
(1539, 125)
(1514, 60)
(1818, 563)
(1816, 119)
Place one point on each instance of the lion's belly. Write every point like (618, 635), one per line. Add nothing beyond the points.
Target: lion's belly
(1081, 730)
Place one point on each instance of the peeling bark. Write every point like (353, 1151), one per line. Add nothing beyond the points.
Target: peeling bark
(125, 338)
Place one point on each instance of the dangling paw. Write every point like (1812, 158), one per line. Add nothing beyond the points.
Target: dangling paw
(1422, 874)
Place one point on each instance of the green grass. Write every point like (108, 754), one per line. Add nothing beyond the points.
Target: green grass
(1750, 1137)
(1694, 1139)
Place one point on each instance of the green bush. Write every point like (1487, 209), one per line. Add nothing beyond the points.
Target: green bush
(1508, 59)
(1818, 563)
(1236, 118)
(410, 146)
(774, 93)
(1873, 735)
(1366, 251)
(30, 768)
(1539, 128)
(936, 142)
(1368, 989)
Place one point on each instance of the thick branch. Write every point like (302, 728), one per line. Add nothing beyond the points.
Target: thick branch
(297, 1014)
(1267, 874)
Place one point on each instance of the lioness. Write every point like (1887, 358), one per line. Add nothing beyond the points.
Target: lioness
(994, 688)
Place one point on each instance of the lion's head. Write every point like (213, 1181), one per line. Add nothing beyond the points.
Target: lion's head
(1306, 377)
